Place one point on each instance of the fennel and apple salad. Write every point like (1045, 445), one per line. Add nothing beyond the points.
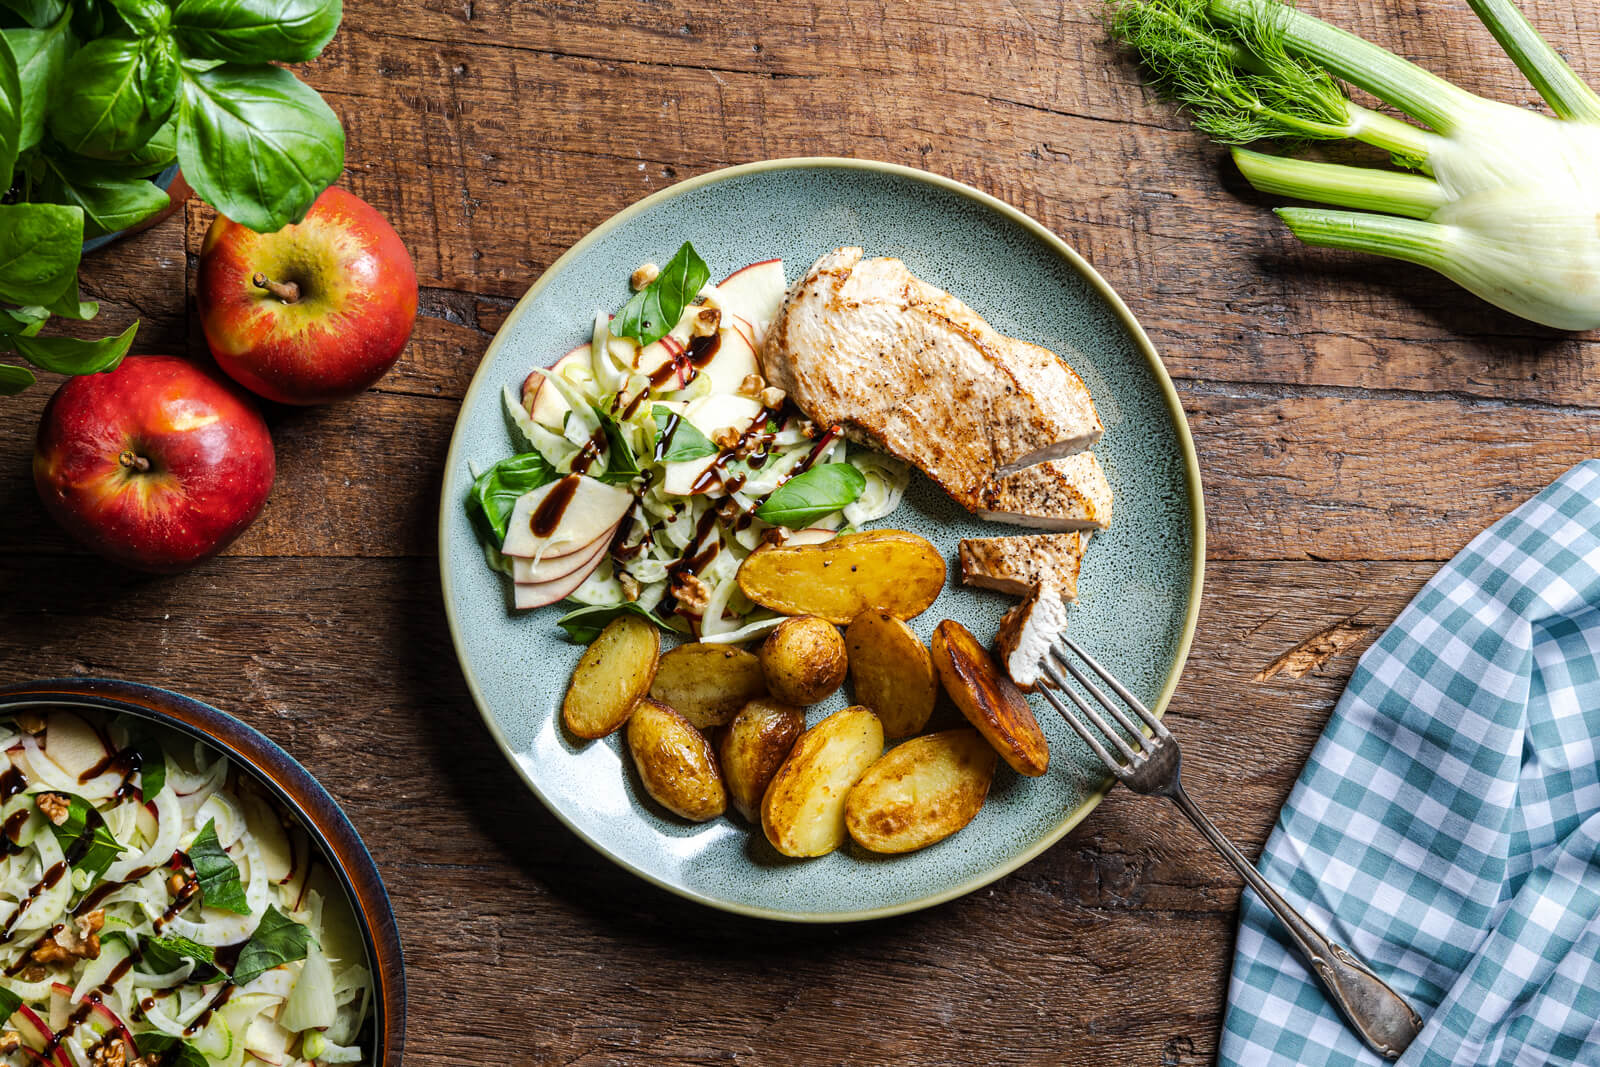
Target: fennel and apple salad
(653, 459)
(158, 911)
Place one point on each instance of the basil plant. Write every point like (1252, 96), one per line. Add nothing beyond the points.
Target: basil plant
(97, 97)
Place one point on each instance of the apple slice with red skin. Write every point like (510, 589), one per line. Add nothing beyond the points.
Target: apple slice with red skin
(36, 1035)
(754, 294)
(315, 312)
(546, 405)
(551, 568)
(542, 593)
(592, 507)
(157, 464)
(73, 745)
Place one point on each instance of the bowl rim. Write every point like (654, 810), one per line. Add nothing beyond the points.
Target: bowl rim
(1073, 259)
(293, 786)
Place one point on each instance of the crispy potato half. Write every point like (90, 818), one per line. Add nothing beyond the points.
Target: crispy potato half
(708, 684)
(891, 671)
(990, 700)
(675, 762)
(920, 792)
(615, 671)
(891, 571)
(803, 810)
(803, 660)
(753, 747)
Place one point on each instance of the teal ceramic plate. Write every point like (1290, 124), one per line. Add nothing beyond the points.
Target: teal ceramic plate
(1139, 592)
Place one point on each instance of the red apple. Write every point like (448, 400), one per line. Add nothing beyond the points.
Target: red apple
(316, 312)
(157, 464)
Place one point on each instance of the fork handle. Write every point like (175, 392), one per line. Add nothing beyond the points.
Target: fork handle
(1379, 1014)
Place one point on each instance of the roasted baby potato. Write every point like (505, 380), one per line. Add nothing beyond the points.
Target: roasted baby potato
(675, 762)
(803, 810)
(752, 749)
(892, 672)
(920, 792)
(615, 671)
(989, 699)
(708, 684)
(877, 570)
(803, 660)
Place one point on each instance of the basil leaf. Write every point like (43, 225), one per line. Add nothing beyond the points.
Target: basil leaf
(36, 12)
(122, 90)
(169, 1051)
(686, 443)
(152, 764)
(812, 495)
(67, 305)
(277, 940)
(100, 849)
(39, 249)
(147, 18)
(219, 878)
(12, 107)
(621, 466)
(41, 56)
(257, 144)
(652, 312)
(163, 954)
(256, 31)
(585, 624)
(70, 355)
(494, 494)
(9, 1003)
(109, 204)
(14, 380)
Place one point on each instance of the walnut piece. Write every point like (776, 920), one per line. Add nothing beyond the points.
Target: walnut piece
(705, 322)
(177, 884)
(111, 1052)
(752, 385)
(692, 594)
(772, 398)
(80, 941)
(726, 439)
(647, 273)
(630, 586)
(55, 806)
(10, 1041)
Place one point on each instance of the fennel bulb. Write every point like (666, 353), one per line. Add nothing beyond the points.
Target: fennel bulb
(1503, 201)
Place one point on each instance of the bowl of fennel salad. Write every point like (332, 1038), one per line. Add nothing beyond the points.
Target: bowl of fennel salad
(161, 905)
(649, 461)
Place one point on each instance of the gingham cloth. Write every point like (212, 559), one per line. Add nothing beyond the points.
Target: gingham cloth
(1447, 825)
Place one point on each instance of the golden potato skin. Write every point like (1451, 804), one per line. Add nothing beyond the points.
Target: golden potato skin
(891, 671)
(875, 570)
(675, 762)
(752, 749)
(921, 792)
(708, 684)
(802, 812)
(803, 660)
(989, 699)
(616, 670)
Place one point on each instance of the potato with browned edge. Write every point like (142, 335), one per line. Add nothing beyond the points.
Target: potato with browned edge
(675, 762)
(803, 810)
(708, 684)
(753, 747)
(891, 671)
(875, 570)
(615, 671)
(803, 660)
(920, 792)
(989, 699)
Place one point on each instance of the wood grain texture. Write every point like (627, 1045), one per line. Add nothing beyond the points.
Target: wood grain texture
(1357, 423)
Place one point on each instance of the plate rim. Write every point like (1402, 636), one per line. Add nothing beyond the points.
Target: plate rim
(1193, 489)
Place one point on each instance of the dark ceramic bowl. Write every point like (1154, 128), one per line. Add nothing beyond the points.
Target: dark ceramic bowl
(294, 788)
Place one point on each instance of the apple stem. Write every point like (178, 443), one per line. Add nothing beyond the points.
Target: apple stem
(133, 461)
(288, 292)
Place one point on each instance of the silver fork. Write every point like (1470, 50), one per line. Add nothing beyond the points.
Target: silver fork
(1379, 1014)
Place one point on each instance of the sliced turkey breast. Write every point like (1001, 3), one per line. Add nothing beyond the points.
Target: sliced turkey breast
(1026, 632)
(1063, 494)
(911, 370)
(1019, 565)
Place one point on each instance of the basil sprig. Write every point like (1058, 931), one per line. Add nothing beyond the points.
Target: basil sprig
(277, 940)
(495, 492)
(652, 312)
(220, 886)
(621, 465)
(163, 954)
(584, 624)
(687, 442)
(812, 495)
(85, 838)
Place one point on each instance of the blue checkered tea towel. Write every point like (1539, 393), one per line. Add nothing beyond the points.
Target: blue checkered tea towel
(1447, 825)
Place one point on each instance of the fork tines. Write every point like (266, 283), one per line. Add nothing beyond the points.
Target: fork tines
(1061, 654)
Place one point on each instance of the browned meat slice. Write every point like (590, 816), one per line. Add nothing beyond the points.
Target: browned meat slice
(1019, 565)
(1063, 494)
(909, 369)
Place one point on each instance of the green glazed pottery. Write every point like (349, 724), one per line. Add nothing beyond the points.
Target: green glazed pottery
(1138, 595)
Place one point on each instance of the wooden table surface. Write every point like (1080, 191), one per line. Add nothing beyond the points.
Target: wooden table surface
(1357, 423)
